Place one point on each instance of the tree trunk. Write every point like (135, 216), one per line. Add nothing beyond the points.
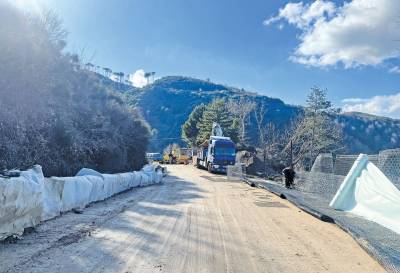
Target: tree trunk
(265, 162)
(291, 154)
(312, 141)
(243, 130)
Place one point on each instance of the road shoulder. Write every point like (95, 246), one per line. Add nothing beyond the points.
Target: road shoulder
(379, 242)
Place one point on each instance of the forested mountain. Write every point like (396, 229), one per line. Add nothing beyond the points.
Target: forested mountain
(167, 103)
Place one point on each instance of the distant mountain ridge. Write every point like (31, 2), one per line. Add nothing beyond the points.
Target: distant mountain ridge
(167, 103)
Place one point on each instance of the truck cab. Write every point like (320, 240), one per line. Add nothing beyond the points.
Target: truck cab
(156, 157)
(216, 154)
(221, 153)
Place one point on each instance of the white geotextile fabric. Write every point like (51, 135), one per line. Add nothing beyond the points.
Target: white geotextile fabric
(76, 192)
(367, 192)
(86, 171)
(21, 202)
(31, 198)
(52, 195)
(98, 190)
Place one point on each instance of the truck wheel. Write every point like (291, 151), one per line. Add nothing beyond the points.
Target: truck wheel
(209, 168)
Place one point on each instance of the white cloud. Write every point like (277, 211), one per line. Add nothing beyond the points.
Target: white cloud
(360, 32)
(302, 15)
(354, 100)
(34, 6)
(388, 106)
(395, 70)
(138, 79)
(281, 26)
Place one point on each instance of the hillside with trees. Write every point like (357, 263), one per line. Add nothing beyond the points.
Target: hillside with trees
(55, 113)
(299, 143)
(169, 102)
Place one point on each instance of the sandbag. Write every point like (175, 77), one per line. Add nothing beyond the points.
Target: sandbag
(98, 191)
(135, 180)
(120, 182)
(21, 202)
(138, 178)
(31, 198)
(76, 192)
(130, 180)
(86, 171)
(149, 168)
(159, 176)
(52, 198)
(149, 175)
(143, 179)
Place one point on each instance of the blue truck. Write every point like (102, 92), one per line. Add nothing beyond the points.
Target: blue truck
(216, 154)
(157, 157)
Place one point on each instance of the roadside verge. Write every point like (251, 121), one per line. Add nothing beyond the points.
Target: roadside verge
(381, 243)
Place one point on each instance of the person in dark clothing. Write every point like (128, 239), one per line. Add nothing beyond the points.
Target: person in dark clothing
(289, 175)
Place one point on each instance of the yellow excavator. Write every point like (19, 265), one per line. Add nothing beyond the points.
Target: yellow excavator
(173, 154)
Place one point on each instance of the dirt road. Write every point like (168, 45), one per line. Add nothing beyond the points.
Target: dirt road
(193, 222)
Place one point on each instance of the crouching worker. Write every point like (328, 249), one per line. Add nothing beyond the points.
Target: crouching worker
(289, 175)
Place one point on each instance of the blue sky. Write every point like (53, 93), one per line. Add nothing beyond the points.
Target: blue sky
(230, 42)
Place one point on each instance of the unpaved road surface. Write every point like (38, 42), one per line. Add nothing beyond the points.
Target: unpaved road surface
(193, 222)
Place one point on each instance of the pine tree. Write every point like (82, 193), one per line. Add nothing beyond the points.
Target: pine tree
(316, 132)
(217, 111)
(189, 128)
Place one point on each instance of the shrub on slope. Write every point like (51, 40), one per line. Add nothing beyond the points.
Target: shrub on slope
(55, 114)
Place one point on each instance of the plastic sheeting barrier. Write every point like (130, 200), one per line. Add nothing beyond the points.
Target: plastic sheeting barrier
(76, 192)
(21, 202)
(367, 192)
(86, 171)
(31, 198)
(52, 195)
(97, 192)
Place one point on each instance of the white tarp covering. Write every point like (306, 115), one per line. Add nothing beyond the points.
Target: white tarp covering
(367, 192)
(30, 198)
(52, 195)
(86, 171)
(159, 175)
(76, 192)
(98, 191)
(21, 202)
